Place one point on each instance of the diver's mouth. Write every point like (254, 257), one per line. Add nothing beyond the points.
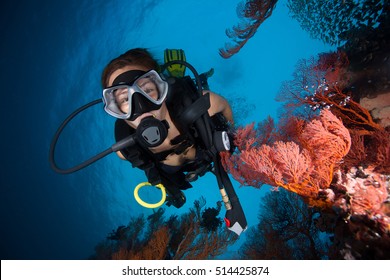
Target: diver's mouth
(140, 118)
(146, 115)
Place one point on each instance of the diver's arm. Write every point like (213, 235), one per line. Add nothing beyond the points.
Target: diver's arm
(218, 104)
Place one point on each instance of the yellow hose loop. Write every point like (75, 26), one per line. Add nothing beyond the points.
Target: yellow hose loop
(150, 205)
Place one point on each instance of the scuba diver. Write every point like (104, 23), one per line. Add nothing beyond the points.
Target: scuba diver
(177, 153)
(167, 125)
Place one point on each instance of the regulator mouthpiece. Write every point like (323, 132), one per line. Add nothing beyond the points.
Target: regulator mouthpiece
(152, 132)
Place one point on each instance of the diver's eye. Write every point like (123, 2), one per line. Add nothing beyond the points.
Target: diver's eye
(121, 96)
(148, 90)
(124, 100)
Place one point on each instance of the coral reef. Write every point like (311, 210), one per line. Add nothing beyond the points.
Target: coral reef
(195, 235)
(379, 108)
(319, 168)
(305, 168)
(287, 230)
(360, 220)
(332, 142)
(326, 83)
(338, 162)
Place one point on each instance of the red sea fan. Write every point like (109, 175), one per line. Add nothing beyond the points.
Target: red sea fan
(304, 168)
(253, 13)
(282, 164)
(326, 138)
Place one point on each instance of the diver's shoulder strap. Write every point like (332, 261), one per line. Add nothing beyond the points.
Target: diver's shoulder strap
(196, 109)
(184, 103)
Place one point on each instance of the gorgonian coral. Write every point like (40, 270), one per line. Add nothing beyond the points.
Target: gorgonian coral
(305, 167)
(252, 14)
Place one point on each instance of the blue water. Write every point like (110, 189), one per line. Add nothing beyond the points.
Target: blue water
(52, 55)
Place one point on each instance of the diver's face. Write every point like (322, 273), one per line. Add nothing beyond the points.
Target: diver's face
(146, 84)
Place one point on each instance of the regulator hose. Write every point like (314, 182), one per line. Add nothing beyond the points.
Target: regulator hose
(128, 141)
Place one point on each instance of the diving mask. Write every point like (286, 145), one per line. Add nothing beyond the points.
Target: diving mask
(134, 93)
